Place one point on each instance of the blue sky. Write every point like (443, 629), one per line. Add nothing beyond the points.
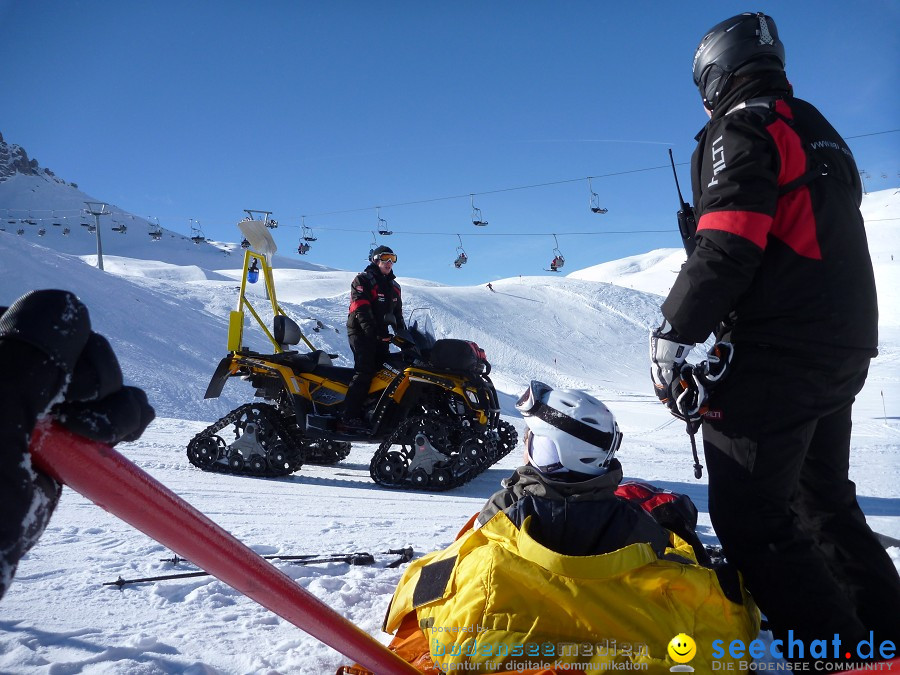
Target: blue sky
(199, 110)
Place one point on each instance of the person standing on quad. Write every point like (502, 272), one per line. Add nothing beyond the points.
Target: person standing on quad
(782, 271)
(375, 303)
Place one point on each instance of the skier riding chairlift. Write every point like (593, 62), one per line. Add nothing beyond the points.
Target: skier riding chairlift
(557, 262)
(303, 248)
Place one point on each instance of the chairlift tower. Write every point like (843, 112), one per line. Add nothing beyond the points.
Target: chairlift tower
(97, 209)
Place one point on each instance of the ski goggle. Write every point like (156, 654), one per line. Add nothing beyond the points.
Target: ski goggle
(386, 257)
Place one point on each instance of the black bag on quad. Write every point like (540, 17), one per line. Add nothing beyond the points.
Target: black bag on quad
(461, 355)
(438, 426)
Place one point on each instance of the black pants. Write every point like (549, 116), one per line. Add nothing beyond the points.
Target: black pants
(777, 448)
(368, 355)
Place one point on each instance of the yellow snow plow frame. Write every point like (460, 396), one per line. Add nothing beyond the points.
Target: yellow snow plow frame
(236, 317)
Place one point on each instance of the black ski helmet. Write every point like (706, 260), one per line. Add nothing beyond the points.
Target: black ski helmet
(373, 257)
(748, 42)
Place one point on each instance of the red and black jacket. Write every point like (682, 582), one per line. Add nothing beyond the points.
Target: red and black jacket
(781, 257)
(373, 295)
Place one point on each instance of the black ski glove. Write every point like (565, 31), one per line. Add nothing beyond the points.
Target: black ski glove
(50, 356)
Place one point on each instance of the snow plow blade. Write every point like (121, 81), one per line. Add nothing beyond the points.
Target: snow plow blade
(111, 481)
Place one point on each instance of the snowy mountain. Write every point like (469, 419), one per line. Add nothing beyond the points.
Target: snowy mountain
(41, 208)
(164, 306)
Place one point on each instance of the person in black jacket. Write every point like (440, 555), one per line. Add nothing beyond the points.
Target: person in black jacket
(375, 303)
(781, 270)
(51, 362)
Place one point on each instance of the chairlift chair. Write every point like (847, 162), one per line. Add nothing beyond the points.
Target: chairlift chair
(55, 221)
(91, 228)
(372, 247)
(267, 221)
(381, 223)
(66, 231)
(30, 220)
(595, 200)
(196, 233)
(558, 258)
(244, 243)
(306, 236)
(461, 257)
(42, 232)
(477, 218)
(119, 227)
(20, 231)
(154, 230)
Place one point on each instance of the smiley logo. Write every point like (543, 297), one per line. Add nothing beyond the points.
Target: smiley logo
(682, 648)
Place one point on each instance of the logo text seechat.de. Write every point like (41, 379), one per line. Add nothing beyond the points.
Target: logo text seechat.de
(797, 649)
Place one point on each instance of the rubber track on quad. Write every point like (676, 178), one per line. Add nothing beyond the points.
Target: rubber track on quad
(470, 454)
(207, 443)
(318, 451)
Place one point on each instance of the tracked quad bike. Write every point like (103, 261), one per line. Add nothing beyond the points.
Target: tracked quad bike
(432, 405)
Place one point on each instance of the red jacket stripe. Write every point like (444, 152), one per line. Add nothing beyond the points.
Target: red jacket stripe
(356, 304)
(746, 224)
(795, 223)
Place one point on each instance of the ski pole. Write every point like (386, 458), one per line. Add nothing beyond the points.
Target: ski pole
(361, 558)
(350, 558)
(108, 479)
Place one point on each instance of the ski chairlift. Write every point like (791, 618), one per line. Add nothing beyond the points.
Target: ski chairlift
(307, 234)
(91, 228)
(461, 257)
(245, 244)
(85, 222)
(66, 231)
(20, 231)
(595, 200)
(154, 230)
(372, 247)
(558, 258)
(196, 233)
(303, 248)
(56, 222)
(381, 223)
(30, 220)
(253, 272)
(119, 227)
(477, 218)
(10, 219)
(267, 221)
(42, 232)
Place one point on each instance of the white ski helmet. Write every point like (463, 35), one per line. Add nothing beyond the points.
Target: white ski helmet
(569, 430)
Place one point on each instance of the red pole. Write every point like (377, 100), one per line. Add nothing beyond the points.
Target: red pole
(112, 482)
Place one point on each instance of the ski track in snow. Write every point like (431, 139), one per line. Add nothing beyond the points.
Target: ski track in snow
(164, 306)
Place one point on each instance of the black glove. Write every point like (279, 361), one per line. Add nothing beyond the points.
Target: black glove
(96, 404)
(50, 357)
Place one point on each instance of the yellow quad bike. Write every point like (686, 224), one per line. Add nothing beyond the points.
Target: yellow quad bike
(432, 406)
